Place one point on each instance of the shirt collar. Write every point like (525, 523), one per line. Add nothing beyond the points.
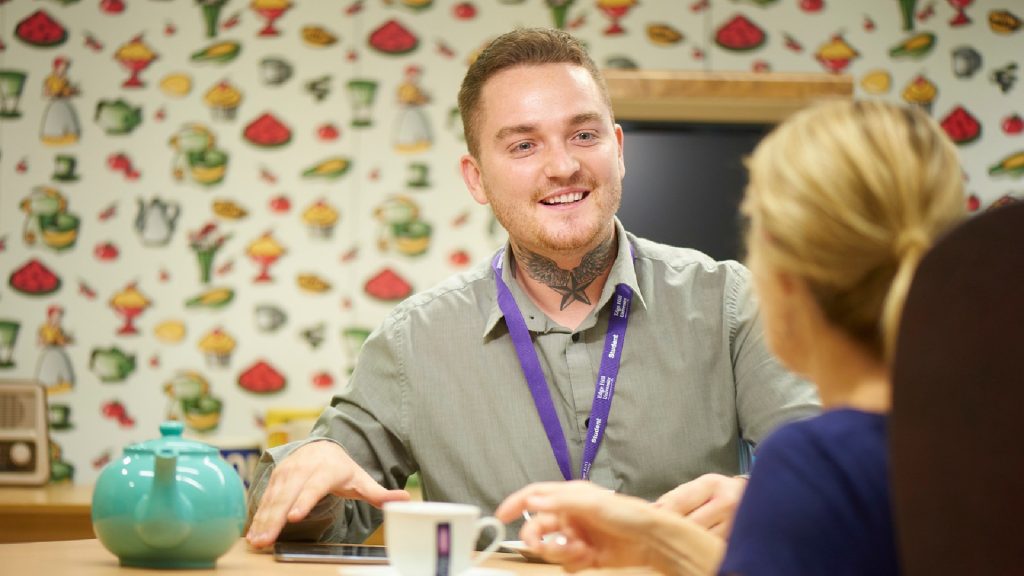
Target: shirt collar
(623, 272)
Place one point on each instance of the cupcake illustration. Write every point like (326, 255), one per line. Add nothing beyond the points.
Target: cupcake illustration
(217, 346)
(320, 218)
(223, 100)
(836, 54)
(920, 92)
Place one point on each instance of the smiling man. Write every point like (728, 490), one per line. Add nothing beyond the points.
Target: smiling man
(577, 351)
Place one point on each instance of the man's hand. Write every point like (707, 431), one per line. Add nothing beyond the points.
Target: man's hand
(302, 479)
(709, 500)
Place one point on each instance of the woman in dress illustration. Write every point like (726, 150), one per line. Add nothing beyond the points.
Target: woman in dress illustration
(60, 121)
(413, 133)
(54, 368)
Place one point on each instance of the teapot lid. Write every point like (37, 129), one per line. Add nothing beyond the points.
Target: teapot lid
(170, 433)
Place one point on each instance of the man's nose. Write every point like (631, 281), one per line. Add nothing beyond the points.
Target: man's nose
(561, 162)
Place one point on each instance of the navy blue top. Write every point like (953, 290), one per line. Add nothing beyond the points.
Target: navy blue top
(817, 501)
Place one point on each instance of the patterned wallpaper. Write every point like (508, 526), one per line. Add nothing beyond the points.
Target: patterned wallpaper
(205, 205)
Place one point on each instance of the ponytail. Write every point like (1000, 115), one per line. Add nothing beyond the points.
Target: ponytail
(909, 249)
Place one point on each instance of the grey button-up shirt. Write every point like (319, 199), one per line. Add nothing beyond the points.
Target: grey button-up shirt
(439, 389)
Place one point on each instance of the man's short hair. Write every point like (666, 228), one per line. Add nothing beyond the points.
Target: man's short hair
(520, 47)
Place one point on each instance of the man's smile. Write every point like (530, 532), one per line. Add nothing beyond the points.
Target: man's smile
(565, 198)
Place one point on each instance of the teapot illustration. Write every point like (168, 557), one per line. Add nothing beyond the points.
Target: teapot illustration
(117, 116)
(156, 220)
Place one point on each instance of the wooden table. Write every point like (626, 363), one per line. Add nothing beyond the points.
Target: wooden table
(50, 512)
(90, 558)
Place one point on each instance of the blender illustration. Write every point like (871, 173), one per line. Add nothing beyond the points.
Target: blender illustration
(12, 82)
(8, 337)
(361, 94)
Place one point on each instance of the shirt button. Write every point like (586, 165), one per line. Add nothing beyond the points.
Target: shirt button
(576, 337)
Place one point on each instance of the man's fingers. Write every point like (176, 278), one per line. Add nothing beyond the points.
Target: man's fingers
(380, 495)
(686, 498)
(709, 515)
(514, 505)
(721, 530)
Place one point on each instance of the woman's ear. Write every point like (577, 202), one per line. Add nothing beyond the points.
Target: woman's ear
(472, 177)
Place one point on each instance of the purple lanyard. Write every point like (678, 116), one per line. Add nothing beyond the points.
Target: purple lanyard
(604, 389)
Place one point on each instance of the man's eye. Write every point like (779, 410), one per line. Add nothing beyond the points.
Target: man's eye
(586, 136)
(522, 147)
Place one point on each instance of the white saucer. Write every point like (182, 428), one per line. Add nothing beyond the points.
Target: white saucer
(355, 570)
(520, 547)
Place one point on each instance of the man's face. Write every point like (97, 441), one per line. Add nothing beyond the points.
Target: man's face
(550, 160)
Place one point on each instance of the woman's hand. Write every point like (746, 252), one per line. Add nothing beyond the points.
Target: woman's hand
(590, 527)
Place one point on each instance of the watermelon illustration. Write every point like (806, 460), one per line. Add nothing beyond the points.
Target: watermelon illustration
(41, 30)
(267, 132)
(261, 378)
(961, 126)
(34, 279)
(393, 38)
(387, 286)
(740, 35)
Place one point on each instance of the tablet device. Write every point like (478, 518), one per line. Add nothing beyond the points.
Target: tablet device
(329, 553)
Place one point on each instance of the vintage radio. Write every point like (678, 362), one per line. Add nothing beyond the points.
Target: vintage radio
(24, 442)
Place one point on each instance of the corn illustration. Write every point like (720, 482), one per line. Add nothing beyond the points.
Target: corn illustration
(1012, 165)
(329, 168)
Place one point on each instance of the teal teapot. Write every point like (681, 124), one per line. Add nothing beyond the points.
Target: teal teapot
(169, 503)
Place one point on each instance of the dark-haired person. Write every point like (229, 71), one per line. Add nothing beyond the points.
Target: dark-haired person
(577, 351)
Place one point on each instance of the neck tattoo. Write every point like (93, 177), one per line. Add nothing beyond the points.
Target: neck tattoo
(571, 284)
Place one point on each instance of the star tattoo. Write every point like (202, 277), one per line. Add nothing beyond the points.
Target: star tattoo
(570, 284)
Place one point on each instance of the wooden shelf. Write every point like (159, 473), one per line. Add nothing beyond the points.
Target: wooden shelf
(49, 512)
(718, 97)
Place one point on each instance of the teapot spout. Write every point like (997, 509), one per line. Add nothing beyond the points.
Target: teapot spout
(164, 517)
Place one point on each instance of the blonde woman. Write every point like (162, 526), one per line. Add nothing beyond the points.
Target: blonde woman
(843, 201)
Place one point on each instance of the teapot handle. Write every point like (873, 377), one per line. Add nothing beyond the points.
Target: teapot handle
(173, 210)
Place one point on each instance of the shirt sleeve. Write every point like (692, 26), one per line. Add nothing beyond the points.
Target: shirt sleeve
(366, 420)
(767, 395)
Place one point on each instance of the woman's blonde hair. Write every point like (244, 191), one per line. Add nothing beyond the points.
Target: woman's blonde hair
(848, 196)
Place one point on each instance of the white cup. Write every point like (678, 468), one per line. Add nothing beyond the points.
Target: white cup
(436, 538)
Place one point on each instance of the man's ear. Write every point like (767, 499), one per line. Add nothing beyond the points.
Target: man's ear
(620, 138)
(471, 176)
